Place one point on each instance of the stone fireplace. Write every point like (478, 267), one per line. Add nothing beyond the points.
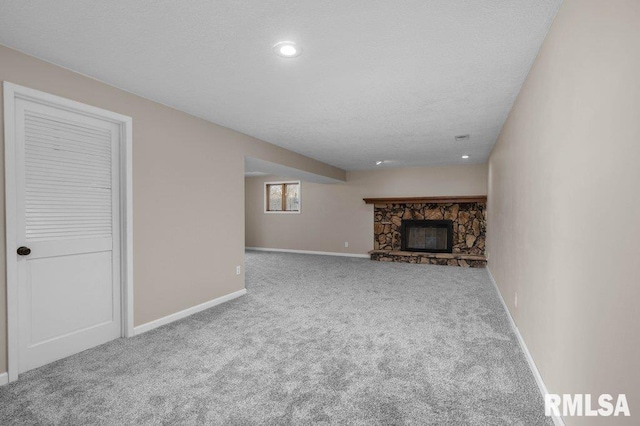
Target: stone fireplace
(433, 230)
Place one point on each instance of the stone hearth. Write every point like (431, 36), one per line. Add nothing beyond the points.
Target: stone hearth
(451, 259)
(469, 229)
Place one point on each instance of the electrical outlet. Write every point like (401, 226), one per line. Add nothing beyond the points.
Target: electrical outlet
(515, 299)
(238, 270)
(346, 244)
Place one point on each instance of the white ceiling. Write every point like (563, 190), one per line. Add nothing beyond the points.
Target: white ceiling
(378, 80)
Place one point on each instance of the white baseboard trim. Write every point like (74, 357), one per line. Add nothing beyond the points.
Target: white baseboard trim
(4, 379)
(323, 253)
(557, 420)
(185, 313)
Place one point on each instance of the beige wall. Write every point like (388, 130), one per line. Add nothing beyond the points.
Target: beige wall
(188, 180)
(564, 204)
(334, 213)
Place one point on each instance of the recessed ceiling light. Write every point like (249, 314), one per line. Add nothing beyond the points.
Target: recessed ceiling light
(287, 49)
(462, 138)
(464, 157)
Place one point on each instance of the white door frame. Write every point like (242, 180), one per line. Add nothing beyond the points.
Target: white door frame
(11, 93)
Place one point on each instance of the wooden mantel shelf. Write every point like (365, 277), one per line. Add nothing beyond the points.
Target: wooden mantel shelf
(425, 200)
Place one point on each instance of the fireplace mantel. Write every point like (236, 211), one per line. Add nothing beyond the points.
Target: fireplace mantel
(426, 200)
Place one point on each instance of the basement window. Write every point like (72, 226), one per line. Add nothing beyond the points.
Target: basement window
(282, 197)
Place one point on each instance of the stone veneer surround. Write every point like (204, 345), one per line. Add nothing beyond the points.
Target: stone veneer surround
(469, 232)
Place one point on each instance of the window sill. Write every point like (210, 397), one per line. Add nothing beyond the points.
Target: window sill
(281, 212)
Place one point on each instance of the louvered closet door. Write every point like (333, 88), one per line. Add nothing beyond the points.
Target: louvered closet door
(68, 215)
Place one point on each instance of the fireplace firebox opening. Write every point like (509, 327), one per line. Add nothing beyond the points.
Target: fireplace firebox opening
(432, 236)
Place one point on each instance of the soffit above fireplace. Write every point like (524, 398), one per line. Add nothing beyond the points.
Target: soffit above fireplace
(427, 200)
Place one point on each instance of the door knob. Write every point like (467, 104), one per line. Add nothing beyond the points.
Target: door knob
(24, 251)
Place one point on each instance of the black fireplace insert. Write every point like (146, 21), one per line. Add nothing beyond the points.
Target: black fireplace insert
(432, 236)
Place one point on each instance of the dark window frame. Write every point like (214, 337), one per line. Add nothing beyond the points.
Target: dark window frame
(283, 185)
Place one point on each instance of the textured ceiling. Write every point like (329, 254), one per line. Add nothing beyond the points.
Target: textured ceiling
(378, 80)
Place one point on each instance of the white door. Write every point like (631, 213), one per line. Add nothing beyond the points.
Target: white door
(68, 232)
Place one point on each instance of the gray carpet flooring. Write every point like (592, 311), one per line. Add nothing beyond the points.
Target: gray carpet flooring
(317, 339)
